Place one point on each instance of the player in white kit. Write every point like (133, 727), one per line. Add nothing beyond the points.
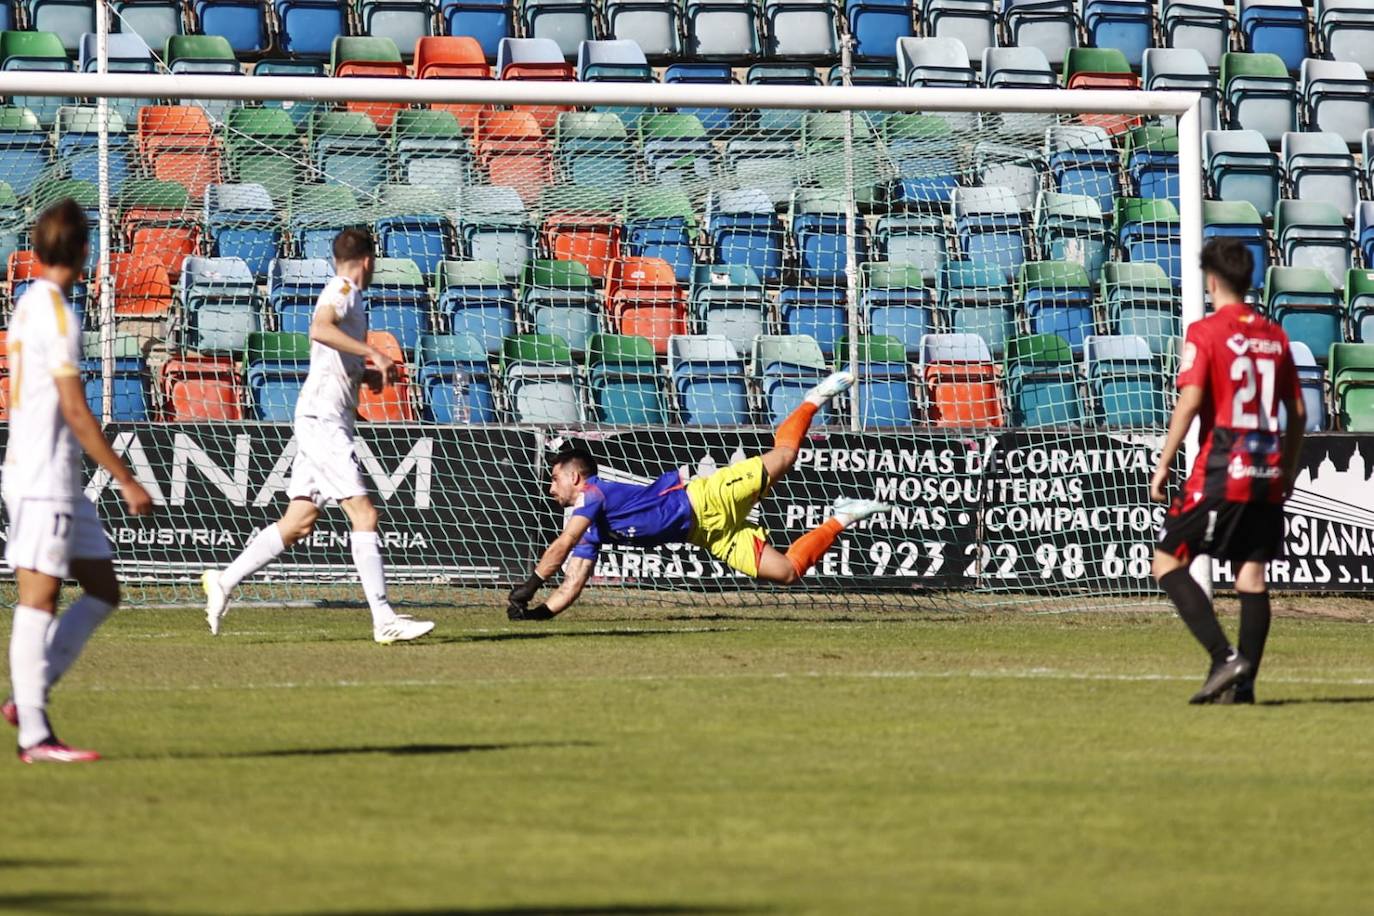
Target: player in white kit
(326, 467)
(54, 531)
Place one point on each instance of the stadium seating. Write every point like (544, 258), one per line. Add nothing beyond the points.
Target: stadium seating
(1042, 382)
(1311, 233)
(785, 368)
(392, 404)
(1122, 382)
(1304, 302)
(1344, 27)
(1351, 368)
(453, 375)
(1359, 305)
(197, 389)
(961, 382)
(896, 304)
(708, 378)
(729, 300)
(1259, 94)
(622, 380)
(1311, 379)
(1241, 167)
(275, 365)
(542, 383)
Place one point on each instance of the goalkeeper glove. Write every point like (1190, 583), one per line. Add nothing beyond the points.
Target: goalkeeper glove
(523, 592)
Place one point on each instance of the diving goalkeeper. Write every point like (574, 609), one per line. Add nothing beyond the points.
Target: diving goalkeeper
(710, 512)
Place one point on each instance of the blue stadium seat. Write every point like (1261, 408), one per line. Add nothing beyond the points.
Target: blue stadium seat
(819, 237)
(877, 25)
(488, 21)
(743, 229)
(398, 301)
(347, 150)
(1083, 160)
(130, 394)
(24, 149)
(990, 227)
(715, 120)
(125, 53)
(309, 27)
(1239, 220)
(1148, 230)
(542, 384)
(241, 22)
(1151, 158)
(1057, 298)
(454, 378)
(241, 221)
(1364, 231)
(884, 383)
(708, 379)
(277, 365)
(922, 152)
(424, 237)
(818, 313)
(896, 304)
(1275, 27)
(78, 147)
(1126, 388)
(1127, 25)
(318, 213)
(293, 286)
(560, 298)
(474, 298)
(662, 224)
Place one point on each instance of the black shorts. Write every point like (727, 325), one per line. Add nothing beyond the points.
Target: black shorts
(1224, 530)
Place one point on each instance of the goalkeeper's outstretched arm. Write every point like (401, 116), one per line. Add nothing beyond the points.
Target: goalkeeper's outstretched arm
(551, 561)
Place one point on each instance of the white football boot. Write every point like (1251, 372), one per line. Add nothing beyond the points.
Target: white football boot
(849, 511)
(402, 628)
(216, 599)
(833, 384)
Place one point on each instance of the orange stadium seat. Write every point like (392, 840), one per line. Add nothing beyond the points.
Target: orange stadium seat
(177, 144)
(454, 57)
(510, 145)
(392, 404)
(643, 299)
(196, 389)
(141, 286)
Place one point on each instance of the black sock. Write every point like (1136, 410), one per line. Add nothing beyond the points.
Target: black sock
(1254, 627)
(1196, 611)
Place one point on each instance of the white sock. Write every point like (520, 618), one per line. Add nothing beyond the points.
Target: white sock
(368, 560)
(29, 672)
(68, 635)
(844, 518)
(263, 549)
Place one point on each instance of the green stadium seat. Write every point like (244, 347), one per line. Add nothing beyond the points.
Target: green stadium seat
(1351, 371)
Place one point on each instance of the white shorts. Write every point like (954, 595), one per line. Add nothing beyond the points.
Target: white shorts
(326, 466)
(45, 535)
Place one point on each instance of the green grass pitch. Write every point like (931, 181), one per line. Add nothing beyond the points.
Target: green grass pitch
(716, 762)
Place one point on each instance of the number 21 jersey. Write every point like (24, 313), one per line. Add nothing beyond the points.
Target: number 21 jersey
(1241, 361)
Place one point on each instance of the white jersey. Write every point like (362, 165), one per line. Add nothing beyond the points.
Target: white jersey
(44, 343)
(331, 388)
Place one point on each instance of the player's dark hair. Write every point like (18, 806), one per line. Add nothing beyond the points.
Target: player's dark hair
(1230, 262)
(61, 235)
(583, 460)
(353, 244)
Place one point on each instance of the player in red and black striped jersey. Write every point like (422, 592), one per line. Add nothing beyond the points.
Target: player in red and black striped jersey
(1235, 371)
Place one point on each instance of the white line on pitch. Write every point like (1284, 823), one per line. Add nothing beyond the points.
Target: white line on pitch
(1027, 674)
